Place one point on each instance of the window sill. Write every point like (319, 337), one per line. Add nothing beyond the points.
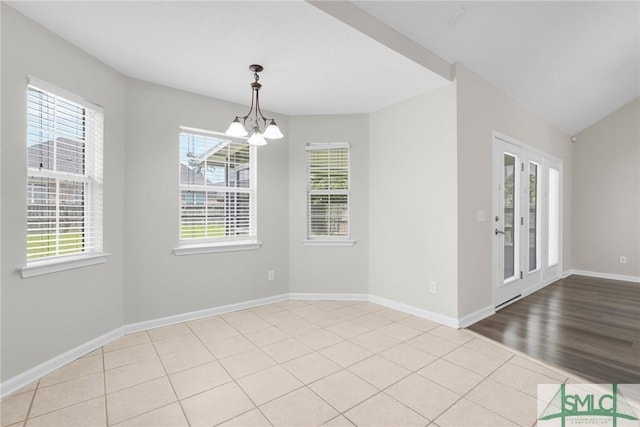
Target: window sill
(329, 243)
(39, 268)
(208, 248)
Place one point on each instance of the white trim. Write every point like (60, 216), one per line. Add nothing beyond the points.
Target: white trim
(476, 316)
(207, 132)
(326, 145)
(216, 247)
(328, 297)
(39, 371)
(409, 309)
(518, 143)
(17, 382)
(199, 314)
(33, 374)
(38, 268)
(55, 90)
(622, 277)
(335, 243)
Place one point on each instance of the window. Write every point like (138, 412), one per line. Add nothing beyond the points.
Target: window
(64, 175)
(554, 216)
(328, 192)
(217, 189)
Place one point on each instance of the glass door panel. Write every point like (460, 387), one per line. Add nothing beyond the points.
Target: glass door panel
(554, 216)
(509, 214)
(534, 217)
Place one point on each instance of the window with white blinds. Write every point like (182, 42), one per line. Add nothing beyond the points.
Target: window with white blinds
(217, 188)
(64, 174)
(328, 191)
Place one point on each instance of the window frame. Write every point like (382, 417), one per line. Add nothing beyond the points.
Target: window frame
(327, 240)
(92, 179)
(196, 246)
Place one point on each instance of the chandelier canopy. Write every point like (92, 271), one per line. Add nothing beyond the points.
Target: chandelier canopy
(255, 123)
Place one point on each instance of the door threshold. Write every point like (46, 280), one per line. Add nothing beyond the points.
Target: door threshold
(508, 302)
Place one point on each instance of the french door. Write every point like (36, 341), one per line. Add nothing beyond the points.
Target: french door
(526, 221)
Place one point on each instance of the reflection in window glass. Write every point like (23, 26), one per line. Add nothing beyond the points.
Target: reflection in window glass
(509, 212)
(217, 188)
(533, 216)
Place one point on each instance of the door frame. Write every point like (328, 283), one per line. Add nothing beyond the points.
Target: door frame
(544, 274)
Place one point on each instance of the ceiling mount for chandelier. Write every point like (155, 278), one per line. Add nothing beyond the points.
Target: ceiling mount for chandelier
(255, 123)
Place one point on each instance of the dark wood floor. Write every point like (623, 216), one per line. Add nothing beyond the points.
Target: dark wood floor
(582, 324)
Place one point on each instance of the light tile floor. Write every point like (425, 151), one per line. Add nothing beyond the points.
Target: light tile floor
(295, 363)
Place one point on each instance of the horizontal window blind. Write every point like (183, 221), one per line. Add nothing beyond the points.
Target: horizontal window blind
(217, 188)
(64, 176)
(328, 168)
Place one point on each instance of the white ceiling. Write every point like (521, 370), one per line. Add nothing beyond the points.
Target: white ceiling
(314, 64)
(570, 62)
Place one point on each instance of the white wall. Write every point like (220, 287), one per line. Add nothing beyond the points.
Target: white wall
(47, 315)
(412, 202)
(606, 194)
(482, 109)
(329, 269)
(159, 283)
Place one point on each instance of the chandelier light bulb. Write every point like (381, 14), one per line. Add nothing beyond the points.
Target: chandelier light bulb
(257, 139)
(236, 129)
(273, 131)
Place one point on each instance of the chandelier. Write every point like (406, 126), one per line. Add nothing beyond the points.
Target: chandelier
(259, 126)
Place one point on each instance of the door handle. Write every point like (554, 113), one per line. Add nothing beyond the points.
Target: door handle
(498, 232)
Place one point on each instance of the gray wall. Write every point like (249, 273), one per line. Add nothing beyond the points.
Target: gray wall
(606, 194)
(329, 269)
(420, 170)
(157, 282)
(45, 316)
(412, 207)
(482, 109)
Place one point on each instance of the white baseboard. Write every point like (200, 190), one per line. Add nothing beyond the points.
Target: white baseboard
(33, 374)
(409, 309)
(621, 277)
(329, 297)
(195, 315)
(39, 371)
(476, 316)
(405, 308)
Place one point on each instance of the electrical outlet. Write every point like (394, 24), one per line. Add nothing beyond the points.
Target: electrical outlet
(623, 259)
(433, 287)
(271, 275)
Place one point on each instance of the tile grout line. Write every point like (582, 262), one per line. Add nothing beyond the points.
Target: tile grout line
(43, 387)
(234, 380)
(411, 372)
(281, 365)
(478, 385)
(320, 327)
(169, 380)
(62, 407)
(104, 385)
(33, 398)
(144, 382)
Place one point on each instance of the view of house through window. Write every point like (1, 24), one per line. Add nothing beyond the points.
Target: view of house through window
(64, 175)
(217, 188)
(328, 190)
